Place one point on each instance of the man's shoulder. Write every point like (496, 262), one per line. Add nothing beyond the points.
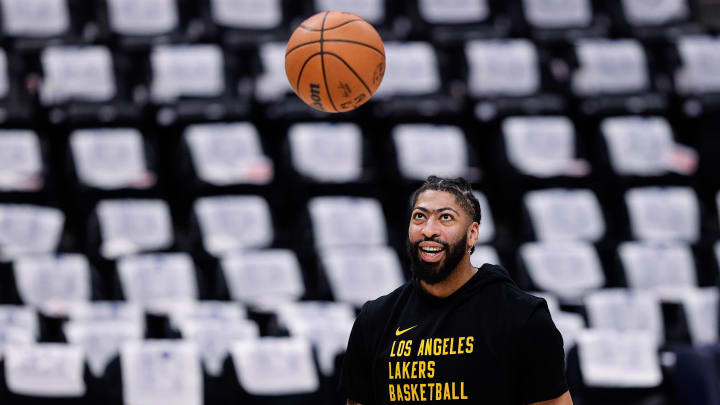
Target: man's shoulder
(508, 297)
(383, 303)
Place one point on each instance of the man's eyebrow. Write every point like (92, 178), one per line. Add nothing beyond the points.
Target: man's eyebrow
(423, 209)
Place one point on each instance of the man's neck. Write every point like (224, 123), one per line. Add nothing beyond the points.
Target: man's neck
(462, 273)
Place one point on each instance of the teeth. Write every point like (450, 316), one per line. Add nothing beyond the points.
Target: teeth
(431, 249)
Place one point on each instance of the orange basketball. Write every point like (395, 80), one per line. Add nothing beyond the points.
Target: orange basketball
(335, 61)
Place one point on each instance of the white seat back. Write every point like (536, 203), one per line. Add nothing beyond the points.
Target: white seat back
(700, 70)
(49, 281)
(22, 318)
(110, 158)
(701, 311)
(35, 18)
(327, 152)
(247, 14)
(142, 17)
(347, 221)
(570, 325)
(275, 366)
(190, 311)
(272, 84)
(487, 225)
(214, 337)
(411, 70)
(625, 310)
(234, 222)
(609, 67)
(29, 229)
(161, 371)
(638, 146)
(20, 160)
(426, 149)
(77, 74)
(4, 75)
(326, 324)
(151, 278)
(565, 214)
(667, 268)
(187, 71)
(228, 153)
(654, 12)
(45, 370)
(540, 146)
(620, 360)
(101, 340)
(357, 275)
(484, 254)
(566, 268)
(263, 277)
(558, 13)
(372, 11)
(507, 67)
(132, 226)
(664, 213)
(453, 11)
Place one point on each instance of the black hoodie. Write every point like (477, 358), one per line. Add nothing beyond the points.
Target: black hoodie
(487, 343)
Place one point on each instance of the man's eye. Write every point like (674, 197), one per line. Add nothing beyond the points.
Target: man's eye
(446, 217)
(419, 215)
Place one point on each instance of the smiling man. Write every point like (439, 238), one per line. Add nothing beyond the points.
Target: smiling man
(454, 333)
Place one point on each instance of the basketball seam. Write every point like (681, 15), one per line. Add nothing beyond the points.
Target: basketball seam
(297, 84)
(352, 70)
(322, 61)
(331, 28)
(336, 40)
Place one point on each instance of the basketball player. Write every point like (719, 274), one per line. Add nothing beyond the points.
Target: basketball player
(454, 333)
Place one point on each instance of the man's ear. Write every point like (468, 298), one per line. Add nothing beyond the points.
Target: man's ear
(472, 234)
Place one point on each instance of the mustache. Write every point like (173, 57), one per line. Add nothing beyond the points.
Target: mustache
(416, 244)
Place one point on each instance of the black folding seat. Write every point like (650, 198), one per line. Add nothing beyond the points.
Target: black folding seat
(86, 84)
(509, 77)
(454, 21)
(195, 82)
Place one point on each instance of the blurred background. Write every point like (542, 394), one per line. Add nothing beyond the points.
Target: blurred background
(177, 227)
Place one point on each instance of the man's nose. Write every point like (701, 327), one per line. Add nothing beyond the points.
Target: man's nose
(430, 230)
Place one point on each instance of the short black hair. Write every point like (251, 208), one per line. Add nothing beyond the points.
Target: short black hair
(458, 187)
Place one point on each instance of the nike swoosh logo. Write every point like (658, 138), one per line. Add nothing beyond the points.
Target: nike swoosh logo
(399, 332)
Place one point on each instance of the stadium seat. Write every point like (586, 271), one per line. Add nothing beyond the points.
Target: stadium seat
(327, 153)
(326, 324)
(543, 146)
(18, 324)
(667, 213)
(567, 269)
(227, 223)
(413, 84)
(111, 159)
(643, 146)
(22, 167)
(190, 82)
(695, 75)
(136, 24)
(276, 370)
(557, 21)
(51, 283)
(128, 226)
(613, 76)
(347, 221)
(701, 311)
(665, 268)
(625, 310)
(654, 20)
(101, 340)
(247, 22)
(158, 278)
(35, 23)
(561, 214)
(224, 154)
(29, 229)
(161, 370)
(33, 371)
(454, 21)
(357, 274)
(263, 278)
(372, 11)
(427, 149)
(505, 77)
(80, 83)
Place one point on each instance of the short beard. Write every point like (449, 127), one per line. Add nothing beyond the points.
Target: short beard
(433, 273)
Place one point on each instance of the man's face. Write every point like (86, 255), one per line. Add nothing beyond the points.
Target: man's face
(437, 236)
